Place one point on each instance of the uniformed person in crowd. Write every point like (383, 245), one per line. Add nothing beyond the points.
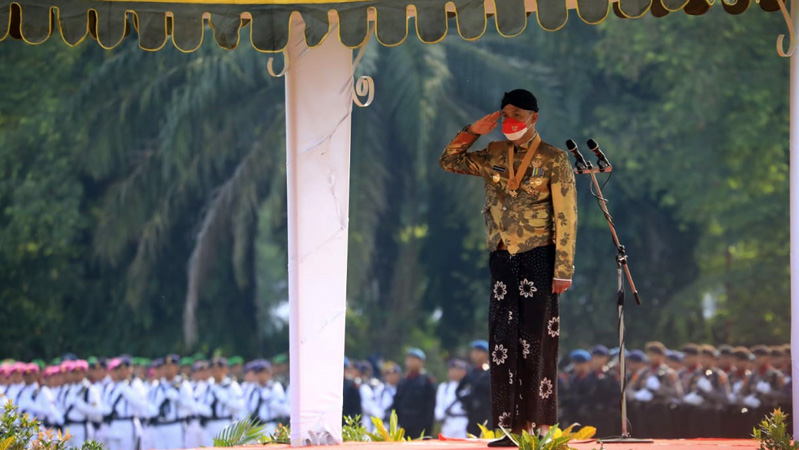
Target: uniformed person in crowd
(266, 401)
(635, 364)
(224, 399)
(475, 388)
(373, 409)
(449, 407)
(600, 357)
(606, 393)
(25, 396)
(236, 368)
(691, 367)
(708, 386)
(674, 359)
(185, 366)
(47, 408)
(174, 405)
(658, 382)
(766, 383)
(415, 400)
(726, 360)
(280, 369)
(15, 382)
(384, 394)
(127, 403)
(740, 376)
(200, 381)
(82, 404)
(580, 386)
(249, 382)
(100, 379)
(352, 393)
(361, 375)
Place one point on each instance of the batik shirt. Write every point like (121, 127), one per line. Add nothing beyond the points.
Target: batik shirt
(543, 212)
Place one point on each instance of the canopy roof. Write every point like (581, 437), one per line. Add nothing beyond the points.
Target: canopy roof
(266, 22)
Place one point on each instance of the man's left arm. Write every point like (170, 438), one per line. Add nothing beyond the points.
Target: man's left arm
(564, 204)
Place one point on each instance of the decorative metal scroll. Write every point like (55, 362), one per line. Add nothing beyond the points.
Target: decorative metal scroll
(270, 64)
(792, 34)
(364, 85)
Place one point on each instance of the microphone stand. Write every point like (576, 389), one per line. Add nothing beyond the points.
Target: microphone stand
(583, 167)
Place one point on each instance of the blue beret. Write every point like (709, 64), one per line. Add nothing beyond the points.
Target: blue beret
(636, 355)
(480, 344)
(172, 359)
(580, 356)
(363, 366)
(458, 364)
(261, 365)
(346, 363)
(600, 350)
(674, 355)
(417, 353)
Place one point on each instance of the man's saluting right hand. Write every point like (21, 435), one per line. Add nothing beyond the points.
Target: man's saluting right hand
(486, 124)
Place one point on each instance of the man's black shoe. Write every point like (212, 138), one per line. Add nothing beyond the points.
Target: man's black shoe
(504, 442)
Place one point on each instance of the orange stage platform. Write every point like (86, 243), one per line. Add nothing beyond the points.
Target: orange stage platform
(677, 444)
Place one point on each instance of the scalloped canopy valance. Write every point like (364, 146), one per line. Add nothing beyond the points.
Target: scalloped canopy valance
(266, 22)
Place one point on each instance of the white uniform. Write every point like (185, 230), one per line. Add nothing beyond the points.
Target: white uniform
(127, 401)
(174, 403)
(42, 404)
(12, 392)
(195, 433)
(104, 388)
(384, 398)
(449, 411)
(267, 403)
(147, 416)
(246, 389)
(83, 410)
(367, 405)
(225, 402)
(24, 399)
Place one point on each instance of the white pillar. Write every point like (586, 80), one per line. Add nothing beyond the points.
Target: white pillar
(794, 199)
(318, 109)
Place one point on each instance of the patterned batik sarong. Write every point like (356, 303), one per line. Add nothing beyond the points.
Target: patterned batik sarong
(524, 328)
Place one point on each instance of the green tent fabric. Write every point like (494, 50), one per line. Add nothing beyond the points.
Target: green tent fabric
(266, 22)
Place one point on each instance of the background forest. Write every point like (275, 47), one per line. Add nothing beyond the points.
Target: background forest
(135, 186)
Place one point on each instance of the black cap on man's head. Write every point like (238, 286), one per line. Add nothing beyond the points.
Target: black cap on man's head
(690, 349)
(656, 347)
(520, 98)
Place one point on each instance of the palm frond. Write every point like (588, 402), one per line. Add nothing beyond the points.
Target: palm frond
(242, 432)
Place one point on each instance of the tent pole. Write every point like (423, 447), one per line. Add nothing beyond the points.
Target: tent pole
(794, 207)
(318, 116)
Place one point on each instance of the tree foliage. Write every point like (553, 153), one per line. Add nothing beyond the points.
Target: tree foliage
(142, 202)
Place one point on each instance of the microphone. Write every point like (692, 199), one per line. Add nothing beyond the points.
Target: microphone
(581, 163)
(601, 162)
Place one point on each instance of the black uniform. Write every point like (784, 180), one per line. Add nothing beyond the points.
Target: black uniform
(352, 399)
(415, 403)
(474, 392)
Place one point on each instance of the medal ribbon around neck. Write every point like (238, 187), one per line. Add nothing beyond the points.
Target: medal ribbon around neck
(515, 180)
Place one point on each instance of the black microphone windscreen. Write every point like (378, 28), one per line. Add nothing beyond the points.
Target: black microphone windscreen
(592, 144)
(571, 145)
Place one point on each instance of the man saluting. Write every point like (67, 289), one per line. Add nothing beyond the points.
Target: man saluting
(531, 224)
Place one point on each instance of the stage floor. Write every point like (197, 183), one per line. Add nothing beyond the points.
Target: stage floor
(677, 444)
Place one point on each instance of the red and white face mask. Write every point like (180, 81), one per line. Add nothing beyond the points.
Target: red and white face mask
(513, 129)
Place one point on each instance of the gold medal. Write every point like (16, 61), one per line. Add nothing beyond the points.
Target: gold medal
(538, 181)
(496, 178)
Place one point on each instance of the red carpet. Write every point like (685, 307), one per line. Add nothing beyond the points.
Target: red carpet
(681, 444)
